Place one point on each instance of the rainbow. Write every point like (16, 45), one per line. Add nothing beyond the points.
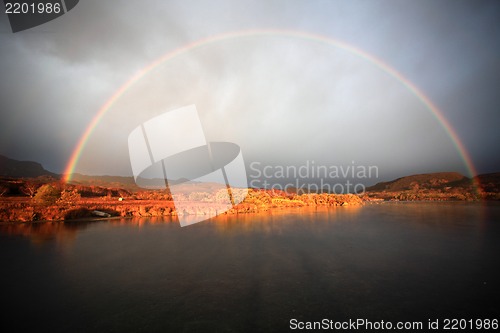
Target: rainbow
(75, 155)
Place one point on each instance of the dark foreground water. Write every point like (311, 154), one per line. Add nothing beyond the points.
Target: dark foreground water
(255, 272)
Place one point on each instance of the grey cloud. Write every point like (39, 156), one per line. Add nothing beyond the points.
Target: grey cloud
(55, 77)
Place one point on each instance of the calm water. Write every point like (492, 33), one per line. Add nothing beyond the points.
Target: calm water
(253, 272)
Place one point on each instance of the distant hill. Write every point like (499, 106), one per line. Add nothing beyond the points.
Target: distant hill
(22, 169)
(428, 180)
(440, 181)
(121, 182)
(490, 182)
(78, 178)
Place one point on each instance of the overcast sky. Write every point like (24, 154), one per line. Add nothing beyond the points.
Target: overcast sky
(284, 99)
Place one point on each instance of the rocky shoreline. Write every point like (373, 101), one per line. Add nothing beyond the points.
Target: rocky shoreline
(257, 201)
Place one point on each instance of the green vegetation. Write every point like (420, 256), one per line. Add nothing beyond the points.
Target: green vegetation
(47, 195)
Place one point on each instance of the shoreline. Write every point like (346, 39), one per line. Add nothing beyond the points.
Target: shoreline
(237, 212)
(85, 209)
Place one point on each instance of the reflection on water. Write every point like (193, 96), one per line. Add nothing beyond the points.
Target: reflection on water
(251, 272)
(65, 232)
(265, 222)
(40, 233)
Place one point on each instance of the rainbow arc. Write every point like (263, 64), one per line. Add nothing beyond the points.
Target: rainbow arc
(438, 115)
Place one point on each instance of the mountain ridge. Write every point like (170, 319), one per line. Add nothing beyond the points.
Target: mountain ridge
(29, 169)
(426, 180)
(22, 169)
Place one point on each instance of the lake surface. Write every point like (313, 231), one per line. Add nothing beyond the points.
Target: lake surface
(254, 272)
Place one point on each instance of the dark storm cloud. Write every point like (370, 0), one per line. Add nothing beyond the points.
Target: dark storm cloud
(54, 78)
(450, 50)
